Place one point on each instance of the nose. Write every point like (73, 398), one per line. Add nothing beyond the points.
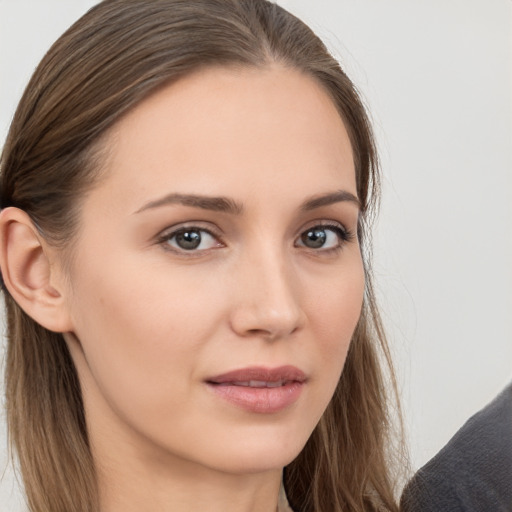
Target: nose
(267, 303)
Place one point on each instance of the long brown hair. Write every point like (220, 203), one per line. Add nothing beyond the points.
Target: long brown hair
(104, 65)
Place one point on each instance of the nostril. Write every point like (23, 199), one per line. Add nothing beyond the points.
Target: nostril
(261, 332)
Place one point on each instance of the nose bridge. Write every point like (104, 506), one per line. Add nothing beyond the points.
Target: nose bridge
(269, 299)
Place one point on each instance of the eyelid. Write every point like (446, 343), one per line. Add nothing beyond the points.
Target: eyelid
(168, 233)
(344, 234)
(324, 223)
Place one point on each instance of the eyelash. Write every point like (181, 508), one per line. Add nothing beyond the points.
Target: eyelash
(343, 234)
(167, 236)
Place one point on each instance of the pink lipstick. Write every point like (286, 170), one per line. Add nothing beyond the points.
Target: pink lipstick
(259, 389)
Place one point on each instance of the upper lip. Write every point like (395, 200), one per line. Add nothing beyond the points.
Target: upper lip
(286, 373)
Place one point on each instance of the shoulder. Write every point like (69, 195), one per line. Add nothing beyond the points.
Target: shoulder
(473, 472)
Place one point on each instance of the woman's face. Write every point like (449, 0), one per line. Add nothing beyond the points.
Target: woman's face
(217, 277)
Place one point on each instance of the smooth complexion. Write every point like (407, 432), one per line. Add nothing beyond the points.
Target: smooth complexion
(223, 237)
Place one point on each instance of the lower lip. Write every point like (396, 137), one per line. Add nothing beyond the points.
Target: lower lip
(260, 400)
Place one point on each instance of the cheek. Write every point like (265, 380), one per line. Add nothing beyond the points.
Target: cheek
(335, 309)
(140, 334)
(133, 304)
(142, 343)
(334, 312)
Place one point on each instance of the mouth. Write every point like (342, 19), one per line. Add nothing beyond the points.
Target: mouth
(258, 389)
(255, 383)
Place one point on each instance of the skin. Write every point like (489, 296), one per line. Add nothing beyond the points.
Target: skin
(149, 322)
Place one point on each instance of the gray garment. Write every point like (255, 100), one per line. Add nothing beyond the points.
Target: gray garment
(473, 472)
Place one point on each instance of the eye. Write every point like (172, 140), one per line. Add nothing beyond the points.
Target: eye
(324, 237)
(190, 239)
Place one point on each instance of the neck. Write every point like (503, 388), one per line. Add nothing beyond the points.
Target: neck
(179, 486)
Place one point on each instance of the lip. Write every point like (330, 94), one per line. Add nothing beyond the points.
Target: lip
(259, 389)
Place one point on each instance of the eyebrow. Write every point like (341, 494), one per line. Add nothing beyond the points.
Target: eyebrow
(326, 199)
(216, 204)
(227, 205)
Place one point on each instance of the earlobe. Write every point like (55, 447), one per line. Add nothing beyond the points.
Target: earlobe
(27, 271)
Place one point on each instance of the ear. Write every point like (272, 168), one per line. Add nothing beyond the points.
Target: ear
(29, 276)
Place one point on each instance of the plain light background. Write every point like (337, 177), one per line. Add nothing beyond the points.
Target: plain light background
(437, 76)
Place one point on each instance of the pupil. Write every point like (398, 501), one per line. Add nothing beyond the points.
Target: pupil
(314, 238)
(188, 239)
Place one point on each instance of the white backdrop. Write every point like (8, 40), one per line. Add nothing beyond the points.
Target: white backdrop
(437, 76)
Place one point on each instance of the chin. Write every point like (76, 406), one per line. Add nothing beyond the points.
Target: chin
(253, 452)
(252, 463)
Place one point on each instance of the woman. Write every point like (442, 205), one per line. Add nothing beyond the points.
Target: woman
(186, 188)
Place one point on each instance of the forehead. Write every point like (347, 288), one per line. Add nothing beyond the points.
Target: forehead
(245, 129)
